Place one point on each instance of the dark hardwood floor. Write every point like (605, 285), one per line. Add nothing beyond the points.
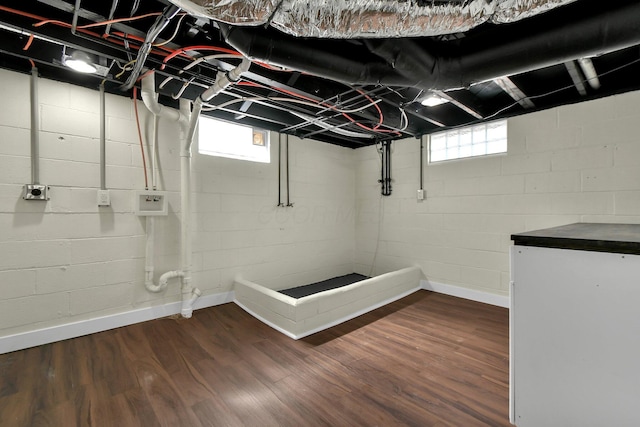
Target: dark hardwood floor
(425, 360)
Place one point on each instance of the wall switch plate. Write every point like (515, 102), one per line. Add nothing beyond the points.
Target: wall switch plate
(36, 192)
(104, 198)
(421, 194)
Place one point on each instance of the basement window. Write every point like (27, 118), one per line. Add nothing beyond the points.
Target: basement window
(225, 139)
(469, 141)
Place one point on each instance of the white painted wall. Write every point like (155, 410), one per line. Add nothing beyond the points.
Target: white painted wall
(564, 165)
(68, 260)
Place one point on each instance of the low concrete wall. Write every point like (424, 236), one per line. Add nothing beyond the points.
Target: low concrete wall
(298, 318)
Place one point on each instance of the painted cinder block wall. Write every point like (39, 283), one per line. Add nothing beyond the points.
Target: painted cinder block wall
(69, 260)
(568, 164)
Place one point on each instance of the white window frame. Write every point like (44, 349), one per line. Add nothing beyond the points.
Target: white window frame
(483, 139)
(234, 141)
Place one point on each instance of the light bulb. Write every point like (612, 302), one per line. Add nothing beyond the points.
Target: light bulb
(79, 61)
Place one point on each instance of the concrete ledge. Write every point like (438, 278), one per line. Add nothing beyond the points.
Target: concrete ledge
(298, 318)
(65, 331)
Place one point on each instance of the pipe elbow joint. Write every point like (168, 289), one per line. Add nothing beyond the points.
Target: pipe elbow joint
(188, 298)
(152, 287)
(164, 279)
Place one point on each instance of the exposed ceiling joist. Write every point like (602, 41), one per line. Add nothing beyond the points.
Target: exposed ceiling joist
(576, 77)
(507, 85)
(362, 86)
(459, 104)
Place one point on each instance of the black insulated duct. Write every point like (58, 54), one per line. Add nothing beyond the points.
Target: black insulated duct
(581, 29)
(338, 60)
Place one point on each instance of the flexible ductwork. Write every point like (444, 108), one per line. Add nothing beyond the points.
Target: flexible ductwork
(347, 19)
(574, 31)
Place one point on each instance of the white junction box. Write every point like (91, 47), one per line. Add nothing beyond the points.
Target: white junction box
(150, 202)
(104, 198)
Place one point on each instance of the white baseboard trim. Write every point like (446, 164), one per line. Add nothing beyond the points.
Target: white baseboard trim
(466, 293)
(329, 324)
(51, 334)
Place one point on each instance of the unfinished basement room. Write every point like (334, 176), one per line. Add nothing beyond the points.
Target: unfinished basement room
(340, 213)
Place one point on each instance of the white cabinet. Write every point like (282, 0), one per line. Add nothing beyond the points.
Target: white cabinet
(575, 327)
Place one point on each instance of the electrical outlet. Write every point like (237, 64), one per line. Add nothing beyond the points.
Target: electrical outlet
(104, 198)
(36, 192)
(421, 194)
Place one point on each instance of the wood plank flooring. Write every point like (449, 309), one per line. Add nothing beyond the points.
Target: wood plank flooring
(425, 360)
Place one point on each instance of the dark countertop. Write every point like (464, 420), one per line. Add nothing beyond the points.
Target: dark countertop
(615, 238)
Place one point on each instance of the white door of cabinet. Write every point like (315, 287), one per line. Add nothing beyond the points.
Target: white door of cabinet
(575, 338)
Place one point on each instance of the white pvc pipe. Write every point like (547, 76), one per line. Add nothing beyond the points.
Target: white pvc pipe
(189, 294)
(150, 255)
(223, 80)
(154, 155)
(188, 121)
(148, 94)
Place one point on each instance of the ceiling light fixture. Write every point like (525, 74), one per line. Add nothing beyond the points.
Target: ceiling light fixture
(79, 61)
(432, 101)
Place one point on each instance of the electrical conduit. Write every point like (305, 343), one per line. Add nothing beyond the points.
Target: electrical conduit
(35, 126)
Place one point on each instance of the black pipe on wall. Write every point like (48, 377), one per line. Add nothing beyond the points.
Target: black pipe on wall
(385, 168)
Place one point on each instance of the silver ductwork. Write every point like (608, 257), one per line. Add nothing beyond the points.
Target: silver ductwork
(566, 33)
(349, 19)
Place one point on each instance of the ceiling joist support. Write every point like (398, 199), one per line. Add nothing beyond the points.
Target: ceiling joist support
(507, 85)
(576, 77)
(459, 104)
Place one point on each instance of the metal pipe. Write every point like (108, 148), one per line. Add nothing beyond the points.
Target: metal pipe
(422, 162)
(112, 12)
(385, 168)
(74, 20)
(103, 166)
(161, 22)
(388, 180)
(286, 140)
(280, 170)
(35, 128)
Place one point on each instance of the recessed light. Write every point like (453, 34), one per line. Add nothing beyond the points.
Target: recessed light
(79, 61)
(432, 101)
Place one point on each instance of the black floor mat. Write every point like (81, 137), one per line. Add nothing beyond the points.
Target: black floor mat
(325, 285)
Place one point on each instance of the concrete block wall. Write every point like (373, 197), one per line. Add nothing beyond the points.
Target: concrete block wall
(241, 232)
(69, 260)
(568, 164)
